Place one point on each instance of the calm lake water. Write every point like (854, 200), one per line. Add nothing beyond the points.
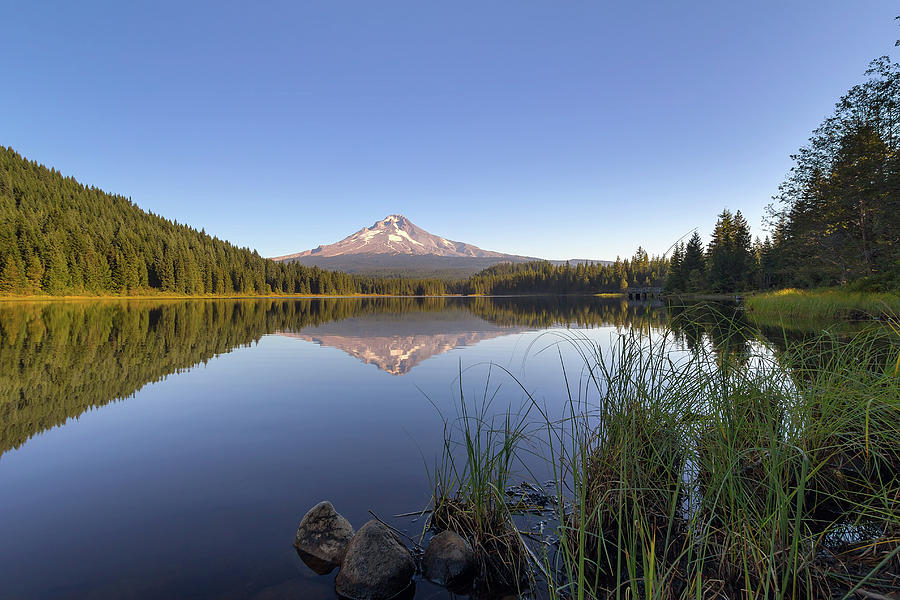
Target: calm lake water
(168, 449)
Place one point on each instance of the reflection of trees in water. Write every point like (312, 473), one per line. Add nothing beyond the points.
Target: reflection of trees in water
(579, 311)
(721, 325)
(734, 339)
(61, 359)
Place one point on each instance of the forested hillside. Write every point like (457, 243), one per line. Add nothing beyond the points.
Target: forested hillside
(60, 237)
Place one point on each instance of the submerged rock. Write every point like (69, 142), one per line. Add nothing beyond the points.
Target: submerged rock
(449, 560)
(376, 565)
(322, 538)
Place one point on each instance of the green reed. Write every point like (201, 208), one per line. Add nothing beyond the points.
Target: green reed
(703, 473)
(469, 483)
(813, 307)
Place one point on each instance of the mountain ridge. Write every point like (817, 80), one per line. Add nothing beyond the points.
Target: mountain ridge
(395, 246)
(395, 234)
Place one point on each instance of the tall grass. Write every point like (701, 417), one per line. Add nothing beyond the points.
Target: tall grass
(469, 484)
(799, 307)
(619, 457)
(763, 479)
(704, 473)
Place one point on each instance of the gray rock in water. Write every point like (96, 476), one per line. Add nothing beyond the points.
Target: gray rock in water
(322, 538)
(376, 566)
(449, 560)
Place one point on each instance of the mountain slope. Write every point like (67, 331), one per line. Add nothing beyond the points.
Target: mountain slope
(395, 246)
(395, 234)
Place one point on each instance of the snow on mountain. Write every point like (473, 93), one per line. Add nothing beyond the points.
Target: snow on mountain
(395, 235)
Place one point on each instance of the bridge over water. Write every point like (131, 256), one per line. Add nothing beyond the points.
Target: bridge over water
(644, 293)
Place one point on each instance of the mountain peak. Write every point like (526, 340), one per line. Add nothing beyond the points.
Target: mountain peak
(396, 235)
(397, 221)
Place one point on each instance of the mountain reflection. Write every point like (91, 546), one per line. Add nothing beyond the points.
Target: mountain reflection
(396, 342)
(60, 359)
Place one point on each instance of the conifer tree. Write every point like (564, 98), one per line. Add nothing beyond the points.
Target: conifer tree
(10, 275)
(693, 265)
(838, 212)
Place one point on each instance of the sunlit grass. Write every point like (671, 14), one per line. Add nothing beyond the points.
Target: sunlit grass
(792, 307)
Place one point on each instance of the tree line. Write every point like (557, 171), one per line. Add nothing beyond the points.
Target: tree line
(591, 277)
(836, 217)
(59, 237)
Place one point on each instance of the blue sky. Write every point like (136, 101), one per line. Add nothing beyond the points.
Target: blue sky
(553, 129)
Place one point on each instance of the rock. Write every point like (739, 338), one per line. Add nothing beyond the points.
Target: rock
(376, 565)
(316, 565)
(322, 538)
(449, 560)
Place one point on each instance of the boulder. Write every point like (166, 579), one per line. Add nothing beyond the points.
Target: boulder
(322, 538)
(376, 565)
(449, 560)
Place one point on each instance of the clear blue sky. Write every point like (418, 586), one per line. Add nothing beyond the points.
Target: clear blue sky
(553, 129)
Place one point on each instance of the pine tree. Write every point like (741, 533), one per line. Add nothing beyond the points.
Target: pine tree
(34, 274)
(744, 263)
(720, 254)
(693, 265)
(56, 276)
(838, 217)
(675, 280)
(10, 275)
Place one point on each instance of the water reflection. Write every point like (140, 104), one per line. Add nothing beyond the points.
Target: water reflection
(60, 359)
(195, 485)
(395, 343)
(721, 326)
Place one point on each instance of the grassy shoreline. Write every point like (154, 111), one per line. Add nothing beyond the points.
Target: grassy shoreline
(691, 297)
(706, 476)
(166, 296)
(169, 296)
(822, 305)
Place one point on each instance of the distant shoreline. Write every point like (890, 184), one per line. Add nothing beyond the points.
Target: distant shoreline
(163, 296)
(166, 296)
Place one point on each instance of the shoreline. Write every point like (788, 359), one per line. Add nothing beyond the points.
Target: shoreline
(80, 298)
(166, 296)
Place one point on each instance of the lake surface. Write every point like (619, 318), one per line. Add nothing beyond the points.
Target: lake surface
(168, 449)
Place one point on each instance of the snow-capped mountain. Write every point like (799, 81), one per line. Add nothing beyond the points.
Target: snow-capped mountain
(395, 234)
(395, 246)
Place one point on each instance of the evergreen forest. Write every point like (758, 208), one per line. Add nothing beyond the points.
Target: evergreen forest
(59, 237)
(836, 218)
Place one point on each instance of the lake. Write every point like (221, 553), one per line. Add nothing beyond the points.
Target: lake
(154, 449)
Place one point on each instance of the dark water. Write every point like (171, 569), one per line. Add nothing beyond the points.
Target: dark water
(169, 449)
